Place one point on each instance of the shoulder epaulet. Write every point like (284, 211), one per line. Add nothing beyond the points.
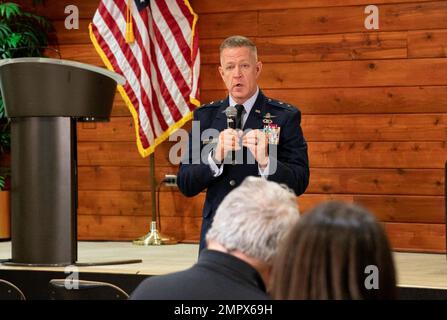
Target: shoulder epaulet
(212, 104)
(280, 104)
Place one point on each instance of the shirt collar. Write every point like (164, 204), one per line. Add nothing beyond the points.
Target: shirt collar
(223, 261)
(248, 104)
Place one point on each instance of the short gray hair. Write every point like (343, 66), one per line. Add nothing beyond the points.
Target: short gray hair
(239, 42)
(254, 217)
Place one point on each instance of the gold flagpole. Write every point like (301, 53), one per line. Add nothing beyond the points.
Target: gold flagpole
(154, 237)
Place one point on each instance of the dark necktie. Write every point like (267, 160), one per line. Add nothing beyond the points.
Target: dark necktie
(240, 113)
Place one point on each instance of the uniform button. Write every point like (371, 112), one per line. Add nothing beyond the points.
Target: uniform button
(232, 183)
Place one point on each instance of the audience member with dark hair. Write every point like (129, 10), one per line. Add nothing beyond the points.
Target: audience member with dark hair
(241, 246)
(336, 251)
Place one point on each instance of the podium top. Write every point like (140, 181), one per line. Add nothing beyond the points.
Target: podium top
(115, 76)
(44, 87)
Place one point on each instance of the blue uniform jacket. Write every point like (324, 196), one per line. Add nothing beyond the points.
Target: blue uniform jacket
(292, 160)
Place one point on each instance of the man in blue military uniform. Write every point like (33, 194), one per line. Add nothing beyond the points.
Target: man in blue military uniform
(272, 137)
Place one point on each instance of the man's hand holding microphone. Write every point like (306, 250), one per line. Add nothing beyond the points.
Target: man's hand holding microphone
(230, 140)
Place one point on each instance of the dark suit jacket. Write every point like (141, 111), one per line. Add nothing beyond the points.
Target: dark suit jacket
(292, 160)
(216, 276)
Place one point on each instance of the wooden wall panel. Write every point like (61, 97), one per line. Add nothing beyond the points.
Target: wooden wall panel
(119, 107)
(393, 208)
(404, 236)
(129, 203)
(118, 129)
(377, 181)
(56, 9)
(376, 127)
(367, 127)
(427, 44)
(119, 178)
(354, 46)
(403, 209)
(323, 180)
(72, 36)
(378, 100)
(406, 16)
(132, 227)
(417, 237)
(351, 154)
(93, 227)
(378, 154)
(222, 25)
(83, 52)
(122, 154)
(373, 103)
(207, 6)
(323, 20)
(368, 73)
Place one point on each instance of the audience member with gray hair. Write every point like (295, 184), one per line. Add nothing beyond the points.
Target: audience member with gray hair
(241, 246)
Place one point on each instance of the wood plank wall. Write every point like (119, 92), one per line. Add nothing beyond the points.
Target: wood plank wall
(374, 107)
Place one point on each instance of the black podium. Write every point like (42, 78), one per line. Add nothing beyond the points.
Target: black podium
(44, 98)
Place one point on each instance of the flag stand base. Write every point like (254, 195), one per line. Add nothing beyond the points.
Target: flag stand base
(154, 238)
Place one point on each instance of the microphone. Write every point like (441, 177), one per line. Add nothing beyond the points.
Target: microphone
(234, 116)
(231, 113)
(234, 123)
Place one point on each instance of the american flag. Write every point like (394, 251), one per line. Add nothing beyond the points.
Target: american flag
(154, 45)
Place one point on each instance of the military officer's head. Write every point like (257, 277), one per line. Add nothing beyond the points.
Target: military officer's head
(239, 67)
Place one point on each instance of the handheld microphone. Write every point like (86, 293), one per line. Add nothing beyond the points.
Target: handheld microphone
(231, 113)
(233, 123)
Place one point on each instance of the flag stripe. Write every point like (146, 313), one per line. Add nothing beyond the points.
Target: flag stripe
(131, 53)
(164, 114)
(169, 52)
(123, 64)
(116, 67)
(160, 78)
(160, 110)
(134, 66)
(171, 67)
(161, 65)
(174, 28)
(183, 5)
